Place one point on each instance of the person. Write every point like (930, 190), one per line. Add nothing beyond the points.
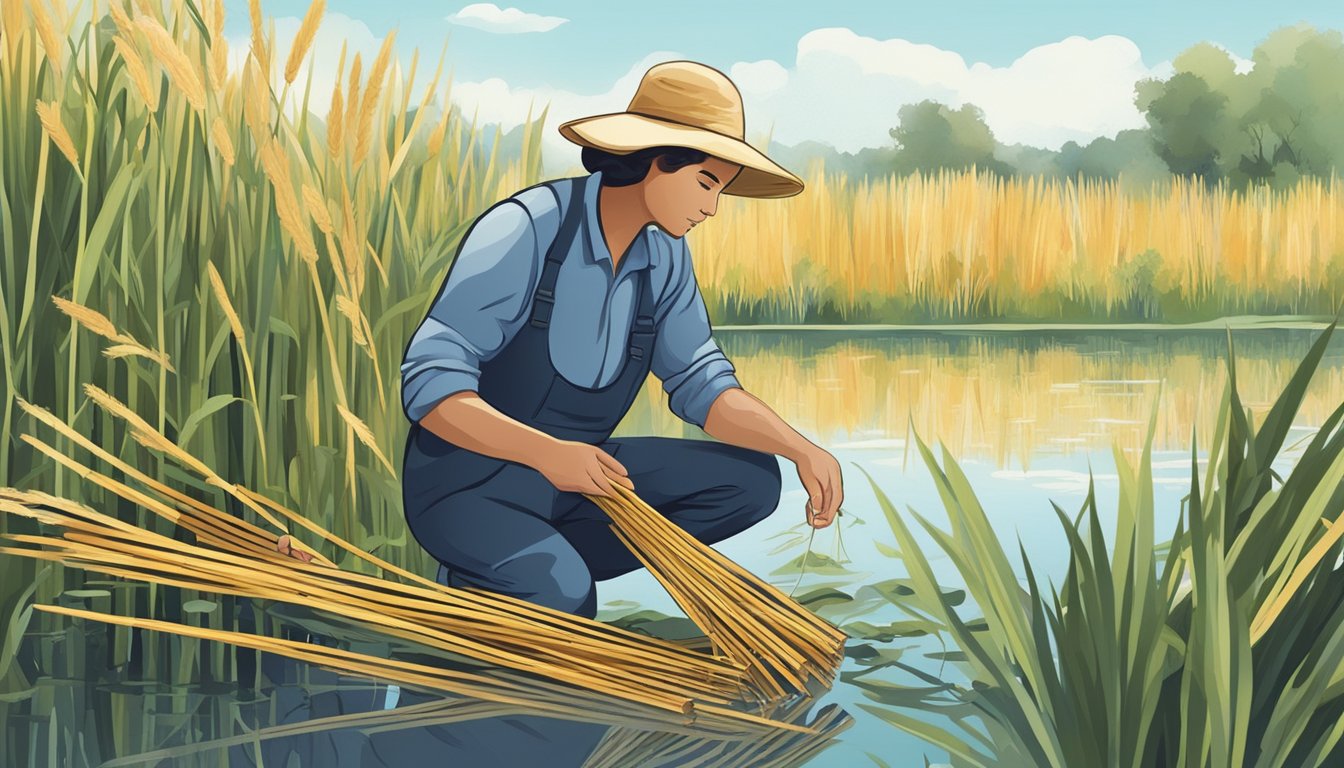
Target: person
(562, 298)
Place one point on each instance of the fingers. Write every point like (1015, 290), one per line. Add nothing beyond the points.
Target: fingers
(611, 462)
(613, 469)
(602, 484)
(815, 498)
(619, 478)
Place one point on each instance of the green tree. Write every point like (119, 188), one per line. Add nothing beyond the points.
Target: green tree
(933, 136)
(1272, 124)
(1187, 120)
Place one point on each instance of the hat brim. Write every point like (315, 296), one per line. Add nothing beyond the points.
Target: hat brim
(625, 132)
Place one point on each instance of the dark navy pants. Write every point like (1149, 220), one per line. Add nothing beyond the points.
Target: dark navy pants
(516, 533)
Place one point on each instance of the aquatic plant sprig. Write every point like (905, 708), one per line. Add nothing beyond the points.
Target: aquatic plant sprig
(802, 568)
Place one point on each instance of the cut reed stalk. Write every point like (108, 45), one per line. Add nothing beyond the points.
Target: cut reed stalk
(100, 543)
(497, 688)
(750, 619)
(764, 645)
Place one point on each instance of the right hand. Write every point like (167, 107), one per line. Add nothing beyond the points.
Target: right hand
(582, 468)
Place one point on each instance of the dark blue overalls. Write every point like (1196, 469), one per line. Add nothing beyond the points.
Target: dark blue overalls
(502, 526)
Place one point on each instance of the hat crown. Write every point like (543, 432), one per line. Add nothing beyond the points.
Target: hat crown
(691, 94)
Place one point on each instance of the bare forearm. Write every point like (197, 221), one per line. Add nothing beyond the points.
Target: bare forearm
(739, 418)
(465, 419)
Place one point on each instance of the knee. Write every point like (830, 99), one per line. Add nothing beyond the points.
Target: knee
(552, 573)
(761, 483)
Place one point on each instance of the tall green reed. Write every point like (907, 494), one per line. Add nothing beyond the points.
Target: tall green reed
(271, 268)
(1221, 647)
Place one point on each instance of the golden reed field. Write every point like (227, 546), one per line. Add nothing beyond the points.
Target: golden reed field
(974, 246)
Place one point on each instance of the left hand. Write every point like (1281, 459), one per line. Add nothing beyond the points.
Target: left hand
(285, 546)
(820, 473)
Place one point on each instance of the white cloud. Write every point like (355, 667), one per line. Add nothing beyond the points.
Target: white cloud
(495, 101)
(846, 90)
(491, 18)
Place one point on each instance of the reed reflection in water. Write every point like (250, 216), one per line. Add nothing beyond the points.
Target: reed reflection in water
(1008, 396)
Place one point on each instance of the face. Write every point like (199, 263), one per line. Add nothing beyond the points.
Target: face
(685, 197)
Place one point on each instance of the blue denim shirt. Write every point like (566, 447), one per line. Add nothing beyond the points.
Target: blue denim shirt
(487, 296)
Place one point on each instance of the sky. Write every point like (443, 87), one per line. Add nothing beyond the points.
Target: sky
(1043, 71)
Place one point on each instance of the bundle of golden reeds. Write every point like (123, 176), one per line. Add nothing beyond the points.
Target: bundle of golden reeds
(744, 616)
(235, 557)
(559, 649)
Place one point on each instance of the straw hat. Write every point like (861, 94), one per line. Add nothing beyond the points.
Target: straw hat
(686, 104)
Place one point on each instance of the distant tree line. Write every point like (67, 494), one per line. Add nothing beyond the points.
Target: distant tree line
(1278, 122)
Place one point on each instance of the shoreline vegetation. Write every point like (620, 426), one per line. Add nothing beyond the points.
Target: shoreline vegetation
(1221, 646)
(241, 278)
(1240, 322)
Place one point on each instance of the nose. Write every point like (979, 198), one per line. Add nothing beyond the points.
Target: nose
(713, 207)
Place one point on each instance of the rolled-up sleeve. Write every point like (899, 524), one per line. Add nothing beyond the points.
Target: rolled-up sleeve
(693, 369)
(479, 308)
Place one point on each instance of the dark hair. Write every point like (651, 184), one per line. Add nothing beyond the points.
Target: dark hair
(624, 170)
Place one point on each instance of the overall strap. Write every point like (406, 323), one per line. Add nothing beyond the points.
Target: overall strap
(544, 298)
(644, 330)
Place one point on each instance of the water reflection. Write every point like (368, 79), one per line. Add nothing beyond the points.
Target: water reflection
(1010, 396)
(336, 721)
(318, 717)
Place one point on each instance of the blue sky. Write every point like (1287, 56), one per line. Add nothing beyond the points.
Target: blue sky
(1043, 71)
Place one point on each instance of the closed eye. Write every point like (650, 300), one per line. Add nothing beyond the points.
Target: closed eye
(704, 185)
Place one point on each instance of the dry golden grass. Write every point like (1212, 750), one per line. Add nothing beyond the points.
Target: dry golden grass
(978, 246)
(303, 40)
(363, 123)
(786, 648)
(96, 322)
(135, 67)
(50, 116)
(259, 50)
(179, 67)
(47, 34)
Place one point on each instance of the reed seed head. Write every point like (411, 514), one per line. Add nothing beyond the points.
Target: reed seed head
(334, 123)
(51, 44)
(171, 57)
(259, 51)
(135, 67)
(317, 208)
(304, 39)
(50, 116)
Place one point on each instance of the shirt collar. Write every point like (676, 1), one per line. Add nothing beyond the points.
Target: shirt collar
(638, 255)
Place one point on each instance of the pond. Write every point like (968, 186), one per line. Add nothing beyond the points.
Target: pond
(1028, 414)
